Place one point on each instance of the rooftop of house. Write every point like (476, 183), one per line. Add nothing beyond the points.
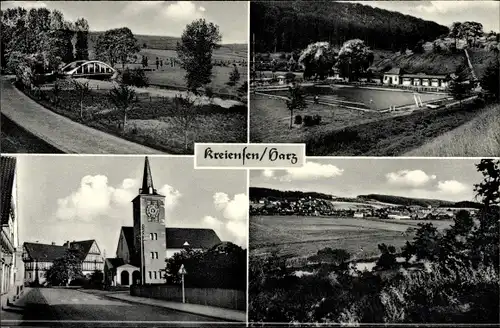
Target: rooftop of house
(50, 252)
(7, 173)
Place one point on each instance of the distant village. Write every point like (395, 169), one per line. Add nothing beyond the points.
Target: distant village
(309, 206)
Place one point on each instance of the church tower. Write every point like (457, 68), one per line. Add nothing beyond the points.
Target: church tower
(149, 230)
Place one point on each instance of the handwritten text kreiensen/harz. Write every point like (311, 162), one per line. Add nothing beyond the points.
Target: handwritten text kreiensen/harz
(268, 154)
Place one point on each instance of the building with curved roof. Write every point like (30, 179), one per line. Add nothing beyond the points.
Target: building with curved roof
(92, 69)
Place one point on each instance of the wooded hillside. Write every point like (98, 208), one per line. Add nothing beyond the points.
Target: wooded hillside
(290, 25)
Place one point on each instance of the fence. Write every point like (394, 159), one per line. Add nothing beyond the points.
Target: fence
(223, 298)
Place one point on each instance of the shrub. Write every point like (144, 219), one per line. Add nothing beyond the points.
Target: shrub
(298, 120)
(312, 120)
(135, 77)
(80, 281)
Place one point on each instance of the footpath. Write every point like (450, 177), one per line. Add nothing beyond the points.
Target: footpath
(205, 310)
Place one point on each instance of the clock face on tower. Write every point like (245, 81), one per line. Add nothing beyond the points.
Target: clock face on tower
(152, 211)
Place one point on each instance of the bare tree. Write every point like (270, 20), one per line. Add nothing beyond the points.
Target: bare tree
(184, 115)
(82, 90)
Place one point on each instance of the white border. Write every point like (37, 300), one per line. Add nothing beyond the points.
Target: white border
(251, 167)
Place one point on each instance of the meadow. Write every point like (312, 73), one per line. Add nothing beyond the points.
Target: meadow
(174, 76)
(346, 132)
(479, 137)
(150, 121)
(295, 236)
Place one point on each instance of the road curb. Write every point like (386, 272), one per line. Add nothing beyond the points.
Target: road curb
(175, 309)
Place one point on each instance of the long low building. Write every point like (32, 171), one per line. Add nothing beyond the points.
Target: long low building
(396, 76)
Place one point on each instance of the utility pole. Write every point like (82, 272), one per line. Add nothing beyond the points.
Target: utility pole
(253, 53)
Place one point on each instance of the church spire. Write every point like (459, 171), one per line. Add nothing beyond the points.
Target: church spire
(147, 180)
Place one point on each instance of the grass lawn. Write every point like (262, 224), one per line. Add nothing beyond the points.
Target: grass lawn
(270, 120)
(477, 138)
(175, 76)
(303, 236)
(345, 132)
(150, 121)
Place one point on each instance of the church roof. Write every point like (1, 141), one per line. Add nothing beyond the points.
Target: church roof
(196, 238)
(177, 237)
(48, 252)
(147, 180)
(7, 173)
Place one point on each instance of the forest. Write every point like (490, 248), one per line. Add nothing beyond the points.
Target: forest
(284, 26)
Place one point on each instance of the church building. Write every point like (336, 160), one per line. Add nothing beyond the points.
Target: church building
(143, 247)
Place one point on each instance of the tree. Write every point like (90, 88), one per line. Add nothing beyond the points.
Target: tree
(123, 98)
(318, 59)
(82, 90)
(65, 269)
(82, 43)
(198, 42)
(459, 85)
(234, 76)
(470, 31)
(425, 244)
(490, 81)
(485, 243)
(184, 114)
(243, 89)
(387, 259)
(419, 47)
(354, 58)
(296, 101)
(455, 32)
(117, 45)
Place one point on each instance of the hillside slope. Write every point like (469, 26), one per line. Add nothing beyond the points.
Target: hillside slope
(477, 138)
(432, 63)
(290, 25)
(166, 42)
(256, 193)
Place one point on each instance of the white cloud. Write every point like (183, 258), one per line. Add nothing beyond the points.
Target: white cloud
(95, 197)
(201, 8)
(406, 178)
(25, 4)
(183, 11)
(171, 196)
(234, 211)
(312, 171)
(268, 173)
(451, 187)
(213, 222)
(442, 7)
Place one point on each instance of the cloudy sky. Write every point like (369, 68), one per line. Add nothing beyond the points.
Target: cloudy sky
(85, 197)
(445, 179)
(167, 18)
(447, 12)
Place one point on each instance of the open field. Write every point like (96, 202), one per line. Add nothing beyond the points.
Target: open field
(303, 236)
(224, 54)
(150, 121)
(479, 137)
(362, 97)
(345, 132)
(270, 120)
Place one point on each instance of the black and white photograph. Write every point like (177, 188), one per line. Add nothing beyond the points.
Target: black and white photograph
(123, 77)
(375, 241)
(129, 241)
(376, 78)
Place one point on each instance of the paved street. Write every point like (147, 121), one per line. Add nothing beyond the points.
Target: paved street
(75, 308)
(61, 132)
